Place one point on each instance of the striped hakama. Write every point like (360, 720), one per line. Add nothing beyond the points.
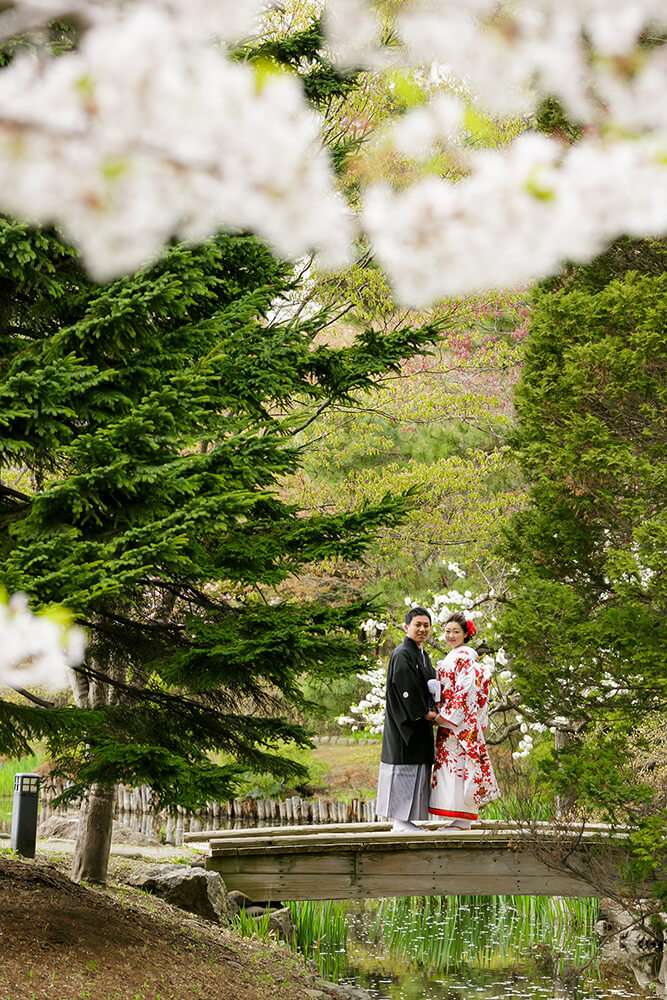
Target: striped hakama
(403, 791)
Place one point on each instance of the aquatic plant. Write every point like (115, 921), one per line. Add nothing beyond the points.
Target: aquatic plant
(249, 926)
(451, 932)
(320, 933)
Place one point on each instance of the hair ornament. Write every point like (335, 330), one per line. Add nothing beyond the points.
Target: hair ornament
(470, 627)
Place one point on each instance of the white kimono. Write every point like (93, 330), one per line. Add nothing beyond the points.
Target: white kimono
(463, 777)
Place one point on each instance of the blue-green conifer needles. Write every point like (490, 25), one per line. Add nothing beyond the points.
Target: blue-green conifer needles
(144, 430)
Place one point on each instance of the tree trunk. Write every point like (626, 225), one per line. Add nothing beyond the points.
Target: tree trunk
(93, 842)
(564, 803)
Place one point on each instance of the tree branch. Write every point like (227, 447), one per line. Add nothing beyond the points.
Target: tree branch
(320, 409)
(502, 736)
(42, 702)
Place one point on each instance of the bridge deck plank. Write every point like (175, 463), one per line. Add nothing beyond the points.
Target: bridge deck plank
(377, 827)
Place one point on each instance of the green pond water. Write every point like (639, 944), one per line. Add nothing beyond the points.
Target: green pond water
(450, 948)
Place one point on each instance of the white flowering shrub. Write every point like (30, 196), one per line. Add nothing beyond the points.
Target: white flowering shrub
(150, 130)
(368, 714)
(35, 650)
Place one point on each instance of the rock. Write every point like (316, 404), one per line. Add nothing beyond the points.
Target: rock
(627, 937)
(343, 992)
(66, 828)
(282, 924)
(62, 827)
(192, 889)
(126, 835)
(237, 901)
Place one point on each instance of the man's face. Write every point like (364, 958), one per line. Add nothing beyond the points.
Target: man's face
(418, 629)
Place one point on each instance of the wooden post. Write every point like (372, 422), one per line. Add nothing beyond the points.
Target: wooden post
(564, 803)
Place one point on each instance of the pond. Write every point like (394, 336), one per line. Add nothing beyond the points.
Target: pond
(454, 948)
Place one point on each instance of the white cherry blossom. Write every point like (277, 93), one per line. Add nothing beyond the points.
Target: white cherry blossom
(35, 650)
(352, 29)
(143, 133)
(148, 130)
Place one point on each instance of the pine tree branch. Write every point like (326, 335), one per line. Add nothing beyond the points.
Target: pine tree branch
(316, 414)
(14, 494)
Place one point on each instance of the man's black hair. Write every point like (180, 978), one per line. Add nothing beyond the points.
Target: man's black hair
(414, 612)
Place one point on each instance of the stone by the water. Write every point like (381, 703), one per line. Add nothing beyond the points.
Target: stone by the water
(192, 889)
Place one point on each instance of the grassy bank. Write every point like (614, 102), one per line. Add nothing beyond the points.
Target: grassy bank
(8, 770)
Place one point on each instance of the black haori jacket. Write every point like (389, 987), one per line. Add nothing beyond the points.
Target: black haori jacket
(408, 737)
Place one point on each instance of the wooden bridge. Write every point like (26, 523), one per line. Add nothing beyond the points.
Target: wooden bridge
(360, 860)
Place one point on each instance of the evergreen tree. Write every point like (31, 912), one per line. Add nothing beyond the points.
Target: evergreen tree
(145, 429)
(588, 621)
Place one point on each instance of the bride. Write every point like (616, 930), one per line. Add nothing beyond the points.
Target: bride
(463, 777)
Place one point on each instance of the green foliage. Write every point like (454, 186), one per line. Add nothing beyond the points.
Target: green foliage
(145, 429)
(249, 926)
(438, 429)
(320, 933)
(438, 933)
(552, 120)
(303, 52)
(268, 785)
(588, 625)
(8, 770)
(649, 853)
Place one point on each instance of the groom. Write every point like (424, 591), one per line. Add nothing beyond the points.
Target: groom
(407, 743)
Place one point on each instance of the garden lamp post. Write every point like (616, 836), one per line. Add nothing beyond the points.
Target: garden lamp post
(24, 814)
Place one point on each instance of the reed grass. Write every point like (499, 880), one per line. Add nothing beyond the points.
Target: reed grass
(248, 926)
(452, 932)
(320, 932)
(519, 808)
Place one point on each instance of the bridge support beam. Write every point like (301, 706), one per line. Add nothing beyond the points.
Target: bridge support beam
(362, 865)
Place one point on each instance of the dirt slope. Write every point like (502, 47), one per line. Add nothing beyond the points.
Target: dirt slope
(63, 941)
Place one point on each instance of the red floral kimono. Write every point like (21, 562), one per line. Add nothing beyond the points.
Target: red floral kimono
(463, 778)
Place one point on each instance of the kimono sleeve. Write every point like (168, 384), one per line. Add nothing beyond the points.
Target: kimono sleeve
(459, 698)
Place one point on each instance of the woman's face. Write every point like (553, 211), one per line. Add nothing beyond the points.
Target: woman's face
(454, 634)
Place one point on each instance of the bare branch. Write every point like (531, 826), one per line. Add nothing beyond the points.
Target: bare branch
(502, 736)
(42, 702)
(320, 409)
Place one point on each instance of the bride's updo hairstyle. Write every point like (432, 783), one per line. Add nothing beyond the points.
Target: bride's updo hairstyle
(467, 626)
